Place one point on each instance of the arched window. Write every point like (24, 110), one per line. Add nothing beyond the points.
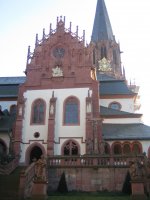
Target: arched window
(38, 112)
(115, 105)
(71, 111)
(70, 148)
(117, 149)
(126, 148)
(136, 148)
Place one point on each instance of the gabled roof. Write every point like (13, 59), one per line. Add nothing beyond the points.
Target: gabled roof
(109, 112)
(114, 87)
(102, 29)
(126, 131)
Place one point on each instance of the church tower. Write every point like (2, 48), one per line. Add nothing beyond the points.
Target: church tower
(106, 51)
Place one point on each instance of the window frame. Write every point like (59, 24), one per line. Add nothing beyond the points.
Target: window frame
(70, 142)
(115, 102)
(71, 98)
(38, 101)
(136, 144)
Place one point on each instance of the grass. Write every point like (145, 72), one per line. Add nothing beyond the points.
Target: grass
(89, 196)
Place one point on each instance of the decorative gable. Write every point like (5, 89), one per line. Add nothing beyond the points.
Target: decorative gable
(60, 55)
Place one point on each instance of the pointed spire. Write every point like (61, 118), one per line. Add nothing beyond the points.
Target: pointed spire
(102, 29)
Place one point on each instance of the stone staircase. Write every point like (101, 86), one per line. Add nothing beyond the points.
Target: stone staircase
(9, 185)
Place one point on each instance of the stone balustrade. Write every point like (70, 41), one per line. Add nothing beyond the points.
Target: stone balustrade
(91, 161)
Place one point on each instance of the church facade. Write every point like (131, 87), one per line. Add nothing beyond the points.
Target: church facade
(74, 99)
(60, 95)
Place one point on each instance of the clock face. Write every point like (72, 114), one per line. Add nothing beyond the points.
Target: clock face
(59, 52)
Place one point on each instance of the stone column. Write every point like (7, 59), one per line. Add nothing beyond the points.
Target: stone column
(137, 180)
(137, 187)
(96, 124)
(89, 129)
(39, 191)
(51, 126)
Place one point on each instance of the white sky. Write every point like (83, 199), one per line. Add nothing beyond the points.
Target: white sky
(20, 20)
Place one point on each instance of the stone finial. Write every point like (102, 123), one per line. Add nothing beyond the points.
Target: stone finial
(36, 40)
(28, 54)
(43, 34)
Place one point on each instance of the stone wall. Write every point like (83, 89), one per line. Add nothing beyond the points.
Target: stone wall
(88, 179)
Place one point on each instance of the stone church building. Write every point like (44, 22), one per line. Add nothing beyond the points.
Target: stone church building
(74, 100)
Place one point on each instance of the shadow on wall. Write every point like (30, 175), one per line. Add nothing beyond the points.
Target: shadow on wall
(126, 189)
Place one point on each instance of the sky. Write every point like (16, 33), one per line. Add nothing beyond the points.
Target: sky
(20, 20)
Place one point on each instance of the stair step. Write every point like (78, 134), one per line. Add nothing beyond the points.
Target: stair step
(9, 185)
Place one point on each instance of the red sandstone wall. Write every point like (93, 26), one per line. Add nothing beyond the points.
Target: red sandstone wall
(88, 179)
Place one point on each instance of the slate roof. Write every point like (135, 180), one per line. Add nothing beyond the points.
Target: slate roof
(126, 131)
(114, 87)
(12, 80)
(108, 86)
(109, 112)
(102, 29)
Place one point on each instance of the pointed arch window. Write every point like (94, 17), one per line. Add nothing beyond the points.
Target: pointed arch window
(103, 52)
(71, 111)
(70, 148)
(38, 112)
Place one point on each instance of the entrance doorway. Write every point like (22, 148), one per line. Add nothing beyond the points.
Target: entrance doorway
(35, 153)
